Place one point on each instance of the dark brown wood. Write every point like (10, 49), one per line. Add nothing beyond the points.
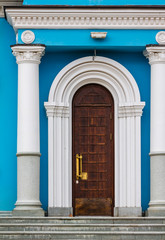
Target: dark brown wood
(93, 137)
(93, 206)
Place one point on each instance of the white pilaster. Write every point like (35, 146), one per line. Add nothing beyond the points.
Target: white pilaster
(59, 164)
(28, 133)
(129, 201)
(156, 56)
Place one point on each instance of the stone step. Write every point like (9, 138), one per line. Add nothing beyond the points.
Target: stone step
(82, 235)
(77, 228)
(5, 214)
(84, 220)
(81, 227)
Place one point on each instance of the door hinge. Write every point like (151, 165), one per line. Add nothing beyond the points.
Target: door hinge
(111, 116)
(111, 136)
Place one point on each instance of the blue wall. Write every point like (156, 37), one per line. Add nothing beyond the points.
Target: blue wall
(81, 38)
(51, 64)
(94, 2)
(8, 119)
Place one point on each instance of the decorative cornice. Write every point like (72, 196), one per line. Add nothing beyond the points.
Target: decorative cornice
(85, 18)
(131, 110)
(1, 11)
(8, 3)
(155, 54)
(52, 110)
(28, 53)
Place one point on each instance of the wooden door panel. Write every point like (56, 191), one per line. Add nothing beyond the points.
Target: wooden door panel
(92, 127)
(93, 206)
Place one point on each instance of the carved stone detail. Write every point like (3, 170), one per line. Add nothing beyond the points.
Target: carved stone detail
(160, 37)
(28, 37)
(155, 54)
(98, 34)
(86, 19)
(58, 111)
(30, 54)
(131, 110)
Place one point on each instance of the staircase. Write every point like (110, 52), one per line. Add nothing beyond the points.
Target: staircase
(95, 228)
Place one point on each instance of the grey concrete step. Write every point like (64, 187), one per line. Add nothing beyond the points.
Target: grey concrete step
(83, 235)
(5, 214)
(77, 228)
(84, 220)
(81, 227)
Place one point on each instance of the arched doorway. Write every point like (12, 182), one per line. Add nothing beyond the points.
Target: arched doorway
(127, 133)
(93, 140)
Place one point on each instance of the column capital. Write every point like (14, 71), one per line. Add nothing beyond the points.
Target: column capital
(28, 53)
(53, 110)
(131, 110)
(155, 53)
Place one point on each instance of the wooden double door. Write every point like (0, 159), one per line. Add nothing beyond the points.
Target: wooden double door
(93, 151)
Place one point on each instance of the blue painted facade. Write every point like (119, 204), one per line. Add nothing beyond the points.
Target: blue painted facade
(133, 40)
(93, 2)
(75, 44)
(8, 119)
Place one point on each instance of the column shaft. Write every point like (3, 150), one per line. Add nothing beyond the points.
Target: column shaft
(157, 107)
(28, 108)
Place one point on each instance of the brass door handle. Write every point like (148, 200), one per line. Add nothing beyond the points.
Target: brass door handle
(79, 173)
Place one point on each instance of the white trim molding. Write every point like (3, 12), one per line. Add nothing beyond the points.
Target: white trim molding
(128, 111)
(85, 18)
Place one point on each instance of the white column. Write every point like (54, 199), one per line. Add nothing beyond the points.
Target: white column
(156, 56)
(28, 130)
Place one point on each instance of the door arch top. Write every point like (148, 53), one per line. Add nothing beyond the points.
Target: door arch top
(101, 70)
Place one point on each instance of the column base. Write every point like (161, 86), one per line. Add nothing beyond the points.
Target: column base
(155, 212)
(127, 212)
(60, 211)
(157, 202)
(28, 175)
(156, 209)
(31, 209)
(28, 213)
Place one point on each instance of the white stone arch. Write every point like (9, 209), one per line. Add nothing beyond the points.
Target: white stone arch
(128, 111)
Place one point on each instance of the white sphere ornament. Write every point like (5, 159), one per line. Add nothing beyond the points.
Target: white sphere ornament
(160, 37)
(27, 36)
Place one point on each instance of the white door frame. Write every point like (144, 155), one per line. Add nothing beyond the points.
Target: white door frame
(128, 110)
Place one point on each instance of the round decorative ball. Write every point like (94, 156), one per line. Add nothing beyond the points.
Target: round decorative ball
(27, 36)
(160, 37)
